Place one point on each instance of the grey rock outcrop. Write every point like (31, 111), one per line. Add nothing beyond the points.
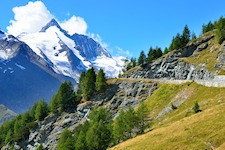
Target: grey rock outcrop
(121, 94)
(172, 67)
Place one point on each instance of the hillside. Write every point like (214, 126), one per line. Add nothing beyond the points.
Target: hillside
(176, 101)
(202, 58)
(181, 128)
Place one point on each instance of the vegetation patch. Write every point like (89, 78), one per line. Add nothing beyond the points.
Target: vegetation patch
(179, 130)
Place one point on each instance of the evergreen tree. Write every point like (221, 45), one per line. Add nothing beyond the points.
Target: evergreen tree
(166, 50)
(41, 110)
(66, 96)
(123, 125)
(133, 62)
(150, 55)
(8, 136)
(53, 106)
(220, 30)
(119, 128)
(158, 53)
(193, 36)
(185, 36)
(209, 27)
(98, 135)
(100, 81)
(66, 141)
(196, 107)
(88, 86)
(176, 42)
(81, 80)
(142, 114)
(142, 58)
(81, 142)
(130, 121)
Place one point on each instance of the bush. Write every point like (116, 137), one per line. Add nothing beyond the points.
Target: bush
(196, 107)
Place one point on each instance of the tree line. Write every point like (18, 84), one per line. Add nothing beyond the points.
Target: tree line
(178, 41)
(65, 99)
(101, 132)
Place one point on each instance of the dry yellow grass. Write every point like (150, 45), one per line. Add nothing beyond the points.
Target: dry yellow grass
(204, 130)
(176, 129)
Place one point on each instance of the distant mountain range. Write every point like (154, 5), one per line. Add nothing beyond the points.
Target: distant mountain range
(5, 114)
(32, 66)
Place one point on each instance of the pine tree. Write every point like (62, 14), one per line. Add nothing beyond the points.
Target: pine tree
(193, 36)
(142, 114)
(220, 30)
(158, 52)
(119, 128)
(196, 107)
(53, 106)
(66, 96)
(133, 62)
(100, 81)
(142, 58)
(185, 36)
(81, 80)
(66, 141)
(150, 55)
(81, 142)
(8, 136)
(166, 50)
(98, 135)
(130, 121)
(209, 27)
(41, 110)
(88, 86)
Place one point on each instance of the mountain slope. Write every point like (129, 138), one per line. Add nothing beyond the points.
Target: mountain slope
(69, 55)
(24, 76)
(199, 59)
(181, 128)
(6, 114)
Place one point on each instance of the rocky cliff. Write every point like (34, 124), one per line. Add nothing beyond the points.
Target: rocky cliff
(173, 66)
(120, 94)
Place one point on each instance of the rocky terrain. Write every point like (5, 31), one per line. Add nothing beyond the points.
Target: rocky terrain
(120, 94)
(172, 67)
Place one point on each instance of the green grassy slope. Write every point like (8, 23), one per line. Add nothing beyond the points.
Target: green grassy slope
(181, 128)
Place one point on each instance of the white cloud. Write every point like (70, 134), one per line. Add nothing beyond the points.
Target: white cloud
(98, 39)
(29, 18)
(121, 52)
(33, 16)
(75, 25)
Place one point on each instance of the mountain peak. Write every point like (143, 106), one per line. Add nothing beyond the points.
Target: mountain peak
(2, 34)
(52, 23)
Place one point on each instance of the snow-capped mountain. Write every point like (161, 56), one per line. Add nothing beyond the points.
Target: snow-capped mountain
(69, 55)
(24, 76)
(32, 66)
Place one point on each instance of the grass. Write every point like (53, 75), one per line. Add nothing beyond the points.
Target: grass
(199, 131)
(182, 128)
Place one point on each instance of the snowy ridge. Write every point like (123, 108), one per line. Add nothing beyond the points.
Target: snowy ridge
(2, 35)
(111, 66)
(70, 55)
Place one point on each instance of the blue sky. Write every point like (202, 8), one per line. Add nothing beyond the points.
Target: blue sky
(128, 25)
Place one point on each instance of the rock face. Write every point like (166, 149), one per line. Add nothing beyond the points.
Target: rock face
(121, 94)
(6, 114)
(172, 67)
(24, 76)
